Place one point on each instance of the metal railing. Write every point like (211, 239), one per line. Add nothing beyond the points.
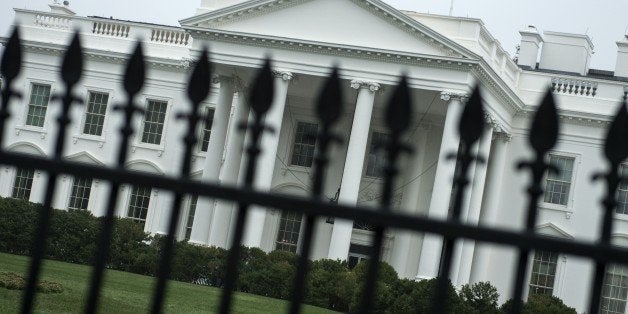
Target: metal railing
(543, 136)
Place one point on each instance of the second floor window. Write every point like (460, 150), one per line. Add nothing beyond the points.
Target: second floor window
(207, 129)
(79, 197)
(304, 144)
(95, 113)
(23, 184)
(558, 184)
(38, 104)
(154, 118)
(377, 155)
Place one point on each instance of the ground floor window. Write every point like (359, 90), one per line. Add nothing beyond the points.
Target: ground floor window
(543, 273)
(358, 253)
(23, 183)
(79, 197)
(138, 203)
(289, 232)
(190, 217)
(614, 290)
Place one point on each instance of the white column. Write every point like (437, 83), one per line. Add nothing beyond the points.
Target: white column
(352, 174)
(429, 259)
(213, 160)
(467, 246)
(399, 254)
(229, 175)
(490, 206)
(254, 226)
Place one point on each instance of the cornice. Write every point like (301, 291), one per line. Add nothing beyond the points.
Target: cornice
(573, 117)
(107, 56)
(333, 49)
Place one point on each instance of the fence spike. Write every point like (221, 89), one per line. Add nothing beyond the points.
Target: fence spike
(12, 57)
(135, 72)
(329, 104)
(72, 66)
(263, 90)
(199, 84)
(398, 111)
(544, 128)
(472, 120)
(615, 148)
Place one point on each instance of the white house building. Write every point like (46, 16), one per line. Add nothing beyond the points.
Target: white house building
(372, 43)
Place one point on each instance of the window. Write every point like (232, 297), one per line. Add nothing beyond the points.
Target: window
(377, 156)
(304, 144)
(543, 273)
(37, 105)
(558, 184)
(289, 230)
(79, 197)
(207, 129)
(95, 113)
(358, 253)
(622, 193)
(614, 290)
(154, 121)
(23, 183)
(190, 220)
(138, 204)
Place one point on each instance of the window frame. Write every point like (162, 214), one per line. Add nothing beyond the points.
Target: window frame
(91, 187)
(365, 174)
(622, 215)
(142, 121)
(557, 273)
(292, 144)
(81, 127)
(278, 229)
(31, 83)
(127, 204)
(574, 177)
(185, 217)
(602, 297)
(15, 172)
(201, 129)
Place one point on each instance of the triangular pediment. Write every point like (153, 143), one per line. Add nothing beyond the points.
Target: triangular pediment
(355, 23)
(550, 229)
(84, 157)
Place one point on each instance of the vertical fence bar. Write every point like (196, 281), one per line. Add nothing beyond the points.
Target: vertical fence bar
(71, 71)
(198, 89)
(261, 97)
(615, 151)
(329, 108)
(10, 69)
(543, 136)
(398, 116)
(470, 128)
(133, 81)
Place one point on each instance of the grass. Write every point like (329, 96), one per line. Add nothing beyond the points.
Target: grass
(126, 292)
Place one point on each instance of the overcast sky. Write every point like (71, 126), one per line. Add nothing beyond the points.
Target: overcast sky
(603, 20)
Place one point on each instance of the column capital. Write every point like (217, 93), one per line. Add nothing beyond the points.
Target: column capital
(498, 128)
(358, 84)
(451, 95)
(284, 75)
(502, 136)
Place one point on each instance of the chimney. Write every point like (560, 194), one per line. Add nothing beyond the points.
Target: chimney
(566, 52)
(529, 48)
(621, 67)
(212, 5)
(64, 8)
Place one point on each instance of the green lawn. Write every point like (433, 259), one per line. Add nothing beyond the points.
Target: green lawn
(125, 292)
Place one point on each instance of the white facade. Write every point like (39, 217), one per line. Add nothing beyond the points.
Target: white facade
(372, 43)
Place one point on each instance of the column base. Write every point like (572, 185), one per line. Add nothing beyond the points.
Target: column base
(419, 278)
(197, 243)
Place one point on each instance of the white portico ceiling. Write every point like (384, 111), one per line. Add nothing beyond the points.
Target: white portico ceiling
(357, 23)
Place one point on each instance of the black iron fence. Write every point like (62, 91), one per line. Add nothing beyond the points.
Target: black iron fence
(543, 136)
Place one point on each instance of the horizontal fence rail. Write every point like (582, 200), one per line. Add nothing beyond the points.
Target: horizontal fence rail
(543, 137)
